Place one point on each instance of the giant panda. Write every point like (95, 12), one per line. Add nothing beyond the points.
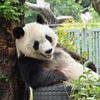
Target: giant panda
(41, 60)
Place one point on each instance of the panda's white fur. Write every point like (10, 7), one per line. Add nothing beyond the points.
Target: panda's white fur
(39, 68)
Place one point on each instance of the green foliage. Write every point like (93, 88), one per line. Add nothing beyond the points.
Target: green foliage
(30, 15)
(87, 91)
(85, 87)
(65, 8)
(79, 24)
(64, 40)
(9, 9)
(83, 3)
(94, 13)
(84, 54)
(4, 77)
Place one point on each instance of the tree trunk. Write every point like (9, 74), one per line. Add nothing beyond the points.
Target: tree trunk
(96, 5)
(11, 85)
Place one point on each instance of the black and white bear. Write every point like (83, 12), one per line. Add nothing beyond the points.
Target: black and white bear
(42, 62)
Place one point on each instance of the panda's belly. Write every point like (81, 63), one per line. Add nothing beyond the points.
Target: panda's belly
(66, 64)
(72, 71)
(70, 68)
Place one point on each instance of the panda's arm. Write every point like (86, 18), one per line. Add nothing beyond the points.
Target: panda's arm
(46, 78)
(35, 76)
(82, 60)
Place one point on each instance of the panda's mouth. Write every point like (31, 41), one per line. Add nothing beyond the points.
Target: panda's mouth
(48, 56)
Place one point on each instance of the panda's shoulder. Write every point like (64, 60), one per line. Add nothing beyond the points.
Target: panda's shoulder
(30, 62)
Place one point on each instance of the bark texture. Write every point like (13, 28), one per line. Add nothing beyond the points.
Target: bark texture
(11, 85)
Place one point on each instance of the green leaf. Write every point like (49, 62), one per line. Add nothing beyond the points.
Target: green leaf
(86, 63)
(84, 54)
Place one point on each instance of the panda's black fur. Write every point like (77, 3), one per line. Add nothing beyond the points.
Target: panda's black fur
(37, 76)
(39, 73)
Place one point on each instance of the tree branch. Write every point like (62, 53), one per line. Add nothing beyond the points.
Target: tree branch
(45, 10)
(44, 7)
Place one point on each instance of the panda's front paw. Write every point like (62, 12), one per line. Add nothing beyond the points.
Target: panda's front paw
(54, 77)
(60, 76)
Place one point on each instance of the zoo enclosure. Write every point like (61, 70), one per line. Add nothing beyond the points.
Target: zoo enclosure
(87, 40)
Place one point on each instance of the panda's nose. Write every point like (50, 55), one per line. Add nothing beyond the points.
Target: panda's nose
(48, 51)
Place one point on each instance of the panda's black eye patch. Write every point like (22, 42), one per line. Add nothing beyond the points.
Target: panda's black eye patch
(36, 45)
(48, 38)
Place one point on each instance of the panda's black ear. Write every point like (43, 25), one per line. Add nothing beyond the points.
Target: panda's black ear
(18, 32)
(40, 19)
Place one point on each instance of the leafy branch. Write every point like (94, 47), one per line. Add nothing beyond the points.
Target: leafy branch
(9, 9)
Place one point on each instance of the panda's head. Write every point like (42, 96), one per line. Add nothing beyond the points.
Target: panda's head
(35, 40)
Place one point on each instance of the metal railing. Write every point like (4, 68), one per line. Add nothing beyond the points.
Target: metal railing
(88, 41)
